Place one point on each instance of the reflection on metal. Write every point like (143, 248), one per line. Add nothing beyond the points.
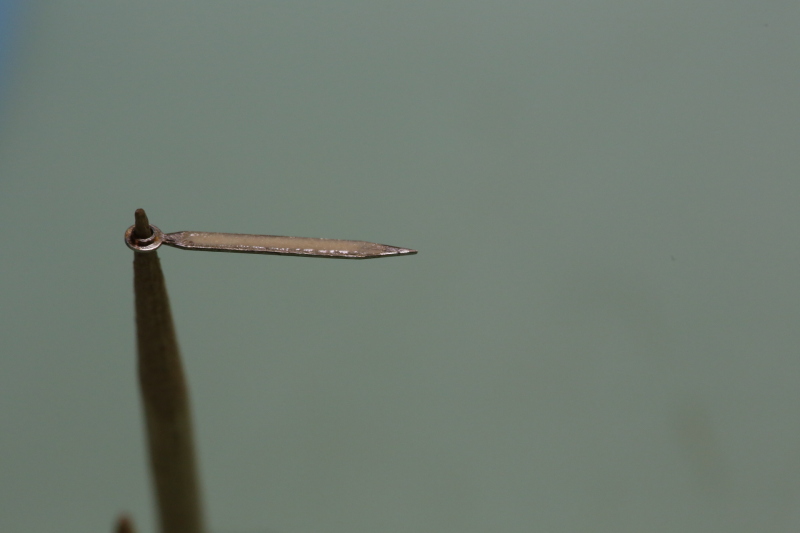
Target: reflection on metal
(255, 244)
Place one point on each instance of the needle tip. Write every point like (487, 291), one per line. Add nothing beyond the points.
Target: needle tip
(142, 226)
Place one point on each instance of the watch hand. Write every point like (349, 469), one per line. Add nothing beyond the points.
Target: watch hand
(256, 244)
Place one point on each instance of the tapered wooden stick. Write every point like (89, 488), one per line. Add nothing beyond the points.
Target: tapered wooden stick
(141, 228)
(124, 525)
(165, 398)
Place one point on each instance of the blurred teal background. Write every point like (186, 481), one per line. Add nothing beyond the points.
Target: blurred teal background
(600, 332)
(9, 23)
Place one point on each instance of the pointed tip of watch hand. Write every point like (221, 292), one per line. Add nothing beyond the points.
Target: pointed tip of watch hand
(396, 250)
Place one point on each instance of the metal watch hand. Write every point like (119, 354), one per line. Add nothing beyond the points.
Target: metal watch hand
(254, 244)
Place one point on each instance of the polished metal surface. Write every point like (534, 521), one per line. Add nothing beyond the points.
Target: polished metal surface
(262, 244)
(148, 244)
(277, 245)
